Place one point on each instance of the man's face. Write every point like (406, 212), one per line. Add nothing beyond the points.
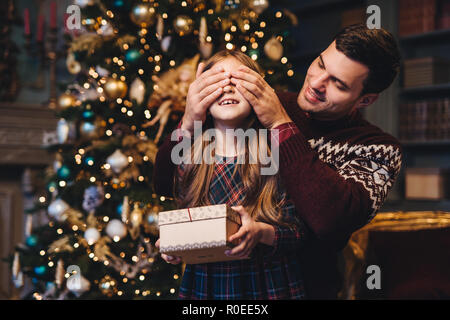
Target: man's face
(333, 85)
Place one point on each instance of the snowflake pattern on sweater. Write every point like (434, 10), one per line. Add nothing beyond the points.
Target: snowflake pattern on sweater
(374, 166)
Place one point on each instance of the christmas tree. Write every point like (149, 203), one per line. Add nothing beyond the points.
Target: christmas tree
(132, 64)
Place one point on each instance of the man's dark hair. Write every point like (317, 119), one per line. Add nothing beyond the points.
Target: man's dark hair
(376, 49)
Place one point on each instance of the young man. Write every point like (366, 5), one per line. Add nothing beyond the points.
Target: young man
(337, 167)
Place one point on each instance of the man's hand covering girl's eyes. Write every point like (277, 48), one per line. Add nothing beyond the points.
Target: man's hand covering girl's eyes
(261, 97)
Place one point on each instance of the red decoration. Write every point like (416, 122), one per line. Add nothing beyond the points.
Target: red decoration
(53, 15)
(26, 18)
(40, 28)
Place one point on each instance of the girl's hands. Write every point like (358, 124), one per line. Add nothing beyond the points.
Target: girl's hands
(206, 88)
(250, 234)
(167, 258)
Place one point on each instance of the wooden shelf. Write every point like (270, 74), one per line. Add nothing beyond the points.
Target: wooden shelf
(416, 205)
(445, 87)
(425, 143)
(433, 35)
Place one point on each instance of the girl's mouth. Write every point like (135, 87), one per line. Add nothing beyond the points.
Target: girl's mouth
(227, 102)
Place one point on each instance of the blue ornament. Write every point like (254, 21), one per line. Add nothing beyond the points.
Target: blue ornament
(31, 241)
(231, 4)
(89, 161)
(34, 281)
(49, 285)
(87, 128)
(152, 218)
(253, 52)
(63, 172)
(132, 55)
(88, 114)
(52, 186)
(40, 270)
(119, 209)
(118, 3)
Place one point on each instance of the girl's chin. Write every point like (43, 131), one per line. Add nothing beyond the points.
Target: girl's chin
(232, 122)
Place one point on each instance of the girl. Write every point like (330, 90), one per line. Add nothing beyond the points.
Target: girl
(270, 235)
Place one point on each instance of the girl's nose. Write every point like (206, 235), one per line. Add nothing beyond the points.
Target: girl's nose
(228, 89)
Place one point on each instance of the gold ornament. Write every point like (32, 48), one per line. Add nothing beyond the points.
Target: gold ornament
(60, 245)
(115, 88)
(59, 274)
(273, 49)
(66, 100)
(183, 25)
(160, 28)
(143, 15)
(135, 221)
(170, 93)
(72, 64)
(205, 47)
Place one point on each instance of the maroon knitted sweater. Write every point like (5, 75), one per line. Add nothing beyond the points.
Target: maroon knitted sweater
(338, 174)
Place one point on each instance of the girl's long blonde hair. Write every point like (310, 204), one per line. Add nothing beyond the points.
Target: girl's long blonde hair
(262, 199)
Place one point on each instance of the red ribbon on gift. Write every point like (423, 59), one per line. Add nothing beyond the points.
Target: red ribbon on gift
(189, 214)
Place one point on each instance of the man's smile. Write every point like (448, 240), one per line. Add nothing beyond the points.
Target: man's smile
(312, 96)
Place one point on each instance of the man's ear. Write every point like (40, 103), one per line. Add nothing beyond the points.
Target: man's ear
(367, 100)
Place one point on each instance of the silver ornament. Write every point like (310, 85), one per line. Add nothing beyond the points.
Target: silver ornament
(93, 198)
(90, 94)
(77, 284)
(165, 43)
(57, 208)
(117, 161)
(62, 130)
(91, 235)
(116, 229)
(84, 3)
(137, 90)
(106, 30)
(102, 72)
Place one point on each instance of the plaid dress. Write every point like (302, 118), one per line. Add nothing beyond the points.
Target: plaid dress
(271, 272)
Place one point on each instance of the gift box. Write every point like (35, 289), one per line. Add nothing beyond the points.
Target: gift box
(198, 235)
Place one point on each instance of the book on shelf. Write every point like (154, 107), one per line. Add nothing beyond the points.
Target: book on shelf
(416, 16)
(443, 19)
(425, 120)
(425, 71)
(353, 16)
